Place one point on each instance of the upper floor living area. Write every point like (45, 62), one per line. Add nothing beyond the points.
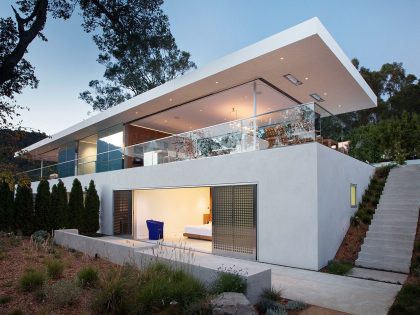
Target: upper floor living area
(284, 90)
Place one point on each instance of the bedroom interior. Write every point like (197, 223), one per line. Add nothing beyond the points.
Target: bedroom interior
(186, 213)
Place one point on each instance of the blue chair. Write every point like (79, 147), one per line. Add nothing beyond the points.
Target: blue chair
(155, 229)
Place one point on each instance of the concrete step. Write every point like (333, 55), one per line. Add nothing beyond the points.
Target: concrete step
(402, 260)
(390, 236)
(383, 265)
(397, 208)
(387, 215)
(408, 224)
(389, 243)
(378, 250)
(401, 203)
(405, 198)
(390, 228)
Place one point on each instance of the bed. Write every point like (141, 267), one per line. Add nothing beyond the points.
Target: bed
(199, 232)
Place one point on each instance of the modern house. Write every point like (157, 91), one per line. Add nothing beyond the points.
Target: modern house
(239, 158)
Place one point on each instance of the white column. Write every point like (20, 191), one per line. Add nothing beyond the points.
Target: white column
(254, 92)
(42, 167)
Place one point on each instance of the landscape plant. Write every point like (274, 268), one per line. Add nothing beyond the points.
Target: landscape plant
(91, 210)
(24, 212)
(75, 206)
(64, 293)
(55, 268)
(31, 280)
(88, 277)
(6, 206)
(42, 206)
(229, 282)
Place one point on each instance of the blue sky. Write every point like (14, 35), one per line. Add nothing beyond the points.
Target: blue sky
(374, 31)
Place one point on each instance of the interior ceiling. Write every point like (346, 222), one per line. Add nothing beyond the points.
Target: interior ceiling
(310, 60)
(232, 104)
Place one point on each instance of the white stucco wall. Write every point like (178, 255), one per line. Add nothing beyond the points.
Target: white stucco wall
(288, 181)
(336, 172)
(175, 207)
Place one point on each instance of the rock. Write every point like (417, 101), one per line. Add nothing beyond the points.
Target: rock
(231, 303)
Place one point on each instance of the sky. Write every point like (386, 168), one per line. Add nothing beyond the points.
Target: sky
(374, 31)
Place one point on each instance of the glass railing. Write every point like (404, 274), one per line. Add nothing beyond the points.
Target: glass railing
(291, 126)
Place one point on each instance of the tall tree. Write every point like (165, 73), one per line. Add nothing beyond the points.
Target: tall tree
(43, 205)
(62, 206)
(24, 214)
(92, 203)
(6, 206)
(16, 72)
(76, 207)
(137, 49)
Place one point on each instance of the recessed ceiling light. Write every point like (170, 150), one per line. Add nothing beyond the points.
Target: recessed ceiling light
(201, 110)
(316, 97)
(306, 78)
(339, 105)
(137, 113)
(292, 79)
(170, 100)
(165, 121)
(217, 82)
(281, 58)
(325, 93)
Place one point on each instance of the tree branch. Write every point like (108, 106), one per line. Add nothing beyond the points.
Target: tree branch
(39, 18)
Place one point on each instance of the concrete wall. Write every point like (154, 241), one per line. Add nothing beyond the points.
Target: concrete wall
(175, 207)
(288, 196)
(336, 172)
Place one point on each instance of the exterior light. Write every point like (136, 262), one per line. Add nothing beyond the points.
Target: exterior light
(170, 100)
(316, 97)
(292, 79)
(281, 58)
(325, 93)
(306, 78)
(217, 82)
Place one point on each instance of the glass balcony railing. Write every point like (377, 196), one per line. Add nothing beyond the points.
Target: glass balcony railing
(291, 126)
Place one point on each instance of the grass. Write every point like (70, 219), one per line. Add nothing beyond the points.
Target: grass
(31, 280)
(229, 282)
(64, 293)
(338, 268)
(88, 277)
(55, 268)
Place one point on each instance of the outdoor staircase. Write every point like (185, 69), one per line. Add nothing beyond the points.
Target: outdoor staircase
(388, 244)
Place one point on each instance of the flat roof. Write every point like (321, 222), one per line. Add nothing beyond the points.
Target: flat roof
(307, 51)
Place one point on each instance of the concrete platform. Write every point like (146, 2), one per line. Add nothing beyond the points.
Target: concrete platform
(378, 275)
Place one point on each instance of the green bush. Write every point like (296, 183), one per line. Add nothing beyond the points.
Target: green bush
(42, 206)
(91, 210)
(64, 293)
(407, 301)
(338, 268)
(24, 215)
(5, 299)
(164, 285)
(229, 282)
(55, 268)
(295, 305)
(271, 294)
(31, 280)
(88, 277)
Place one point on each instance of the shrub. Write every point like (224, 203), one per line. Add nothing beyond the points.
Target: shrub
(88, 277)
(295, 305)
(338, 268)
(271, 294)
(64, 293)
(5, 299)
(163, 285)
(229, 282)
(61, 205)
(6, 206)
(55, 268)
(40, 236)
(269, 306)
(24, 215)
(31, 280)
(91, 210)
(42, 205)
(75, 207)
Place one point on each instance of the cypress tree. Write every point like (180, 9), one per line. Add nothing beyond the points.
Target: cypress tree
(62, 207)
(76, 208)
(24, 211)
(91, 222)
(53, 217)
(42, 206)
(6, 206)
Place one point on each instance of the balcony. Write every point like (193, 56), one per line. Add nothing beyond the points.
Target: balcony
(292, 126)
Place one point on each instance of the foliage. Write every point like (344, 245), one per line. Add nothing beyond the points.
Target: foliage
(64, 293)
(24, 214)
(338, 268)
(295, 305)
(31, 280)
(395, 139)
(407, 301)
(88, 277)
(271, 294)
(91, 210)
(16, 72)
(58, 205)
(75, 206)
(229, 282)
(39, 236)
(54, 268)
(269, 306)
(6, 206)
(137, 49)
(42, 205)
(5, 299)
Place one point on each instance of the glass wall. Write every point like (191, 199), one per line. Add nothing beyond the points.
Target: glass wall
(109, 149)
(87, 155)
(66, 160)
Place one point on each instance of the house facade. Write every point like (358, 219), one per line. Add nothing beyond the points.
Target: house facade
(243, 157)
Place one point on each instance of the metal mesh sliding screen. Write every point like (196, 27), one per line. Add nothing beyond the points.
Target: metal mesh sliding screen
(234, 221)
(123, 217)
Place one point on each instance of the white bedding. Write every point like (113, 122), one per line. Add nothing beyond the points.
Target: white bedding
(204, 230)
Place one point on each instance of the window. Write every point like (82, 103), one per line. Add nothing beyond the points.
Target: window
(353, 195)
